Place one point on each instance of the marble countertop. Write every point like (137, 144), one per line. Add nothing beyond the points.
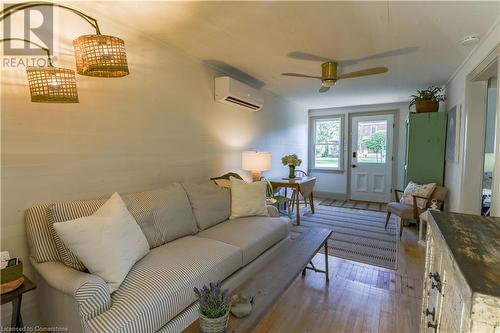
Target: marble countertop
(475, 244)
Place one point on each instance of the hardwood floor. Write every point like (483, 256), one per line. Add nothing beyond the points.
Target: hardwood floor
(359, 298)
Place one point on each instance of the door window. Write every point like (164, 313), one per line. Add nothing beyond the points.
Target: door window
(372, 141)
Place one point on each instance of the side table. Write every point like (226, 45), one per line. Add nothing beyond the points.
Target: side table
(16, 297)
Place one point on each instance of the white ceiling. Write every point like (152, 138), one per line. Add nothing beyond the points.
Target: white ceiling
(253, 40)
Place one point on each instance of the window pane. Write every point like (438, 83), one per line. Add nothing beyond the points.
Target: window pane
(327, 131)
(326, 156)
(372, 140)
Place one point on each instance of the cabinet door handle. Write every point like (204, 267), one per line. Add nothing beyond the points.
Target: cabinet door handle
(433, 313)
(431, 325)
(435, 276)
(438, 285)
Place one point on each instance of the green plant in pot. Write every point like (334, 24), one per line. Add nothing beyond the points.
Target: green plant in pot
(427, 100)
(292, 161)
(214, 307)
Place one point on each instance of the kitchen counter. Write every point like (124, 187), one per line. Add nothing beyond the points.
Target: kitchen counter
(474, 242)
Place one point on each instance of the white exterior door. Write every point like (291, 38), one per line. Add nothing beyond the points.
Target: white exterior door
(371, 157)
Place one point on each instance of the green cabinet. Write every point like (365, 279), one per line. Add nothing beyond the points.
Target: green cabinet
(425, 147)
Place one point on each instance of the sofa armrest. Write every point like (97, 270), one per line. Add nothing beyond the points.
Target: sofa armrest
(90, 292)
(272, 211)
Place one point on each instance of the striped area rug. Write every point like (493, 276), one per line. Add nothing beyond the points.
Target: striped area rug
(355, 204)
(358, 235)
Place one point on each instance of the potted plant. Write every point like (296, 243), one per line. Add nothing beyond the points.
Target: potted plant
(292, 161)
(427, 100)
(214, 307)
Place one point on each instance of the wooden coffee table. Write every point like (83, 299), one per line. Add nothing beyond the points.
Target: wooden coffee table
(267, 285)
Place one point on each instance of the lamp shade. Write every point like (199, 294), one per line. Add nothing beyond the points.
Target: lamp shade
(52, 84)
(256, 160)
(100, 56)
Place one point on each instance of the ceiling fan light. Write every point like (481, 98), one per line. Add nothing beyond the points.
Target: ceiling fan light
(328, 82)
(52, 85)
(100, 56)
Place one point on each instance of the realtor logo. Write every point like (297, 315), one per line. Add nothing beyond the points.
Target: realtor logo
(37, 27)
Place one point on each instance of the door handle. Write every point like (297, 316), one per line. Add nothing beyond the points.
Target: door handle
(354, 165)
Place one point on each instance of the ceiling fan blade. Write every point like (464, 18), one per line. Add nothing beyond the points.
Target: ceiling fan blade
(364, 72)
(324, 89)
(391, 53)
(307, 56)
(301, 75)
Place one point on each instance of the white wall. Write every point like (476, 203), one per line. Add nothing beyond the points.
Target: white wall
(334, 183)
(460, 182)
(157, 125)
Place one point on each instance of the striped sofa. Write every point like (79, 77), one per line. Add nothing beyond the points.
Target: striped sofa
(191, 240)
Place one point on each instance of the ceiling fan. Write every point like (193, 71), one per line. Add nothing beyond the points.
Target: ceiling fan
(329, 74)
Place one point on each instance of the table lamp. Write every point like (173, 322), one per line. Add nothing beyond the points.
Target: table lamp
(256, 162)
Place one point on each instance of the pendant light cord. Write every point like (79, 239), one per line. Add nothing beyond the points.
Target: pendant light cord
(33, 43)
(26, 5)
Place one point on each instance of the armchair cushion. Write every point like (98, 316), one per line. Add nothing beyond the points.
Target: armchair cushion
(412, 189)
(400, 209)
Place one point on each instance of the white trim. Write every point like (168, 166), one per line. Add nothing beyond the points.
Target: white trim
(483, 39)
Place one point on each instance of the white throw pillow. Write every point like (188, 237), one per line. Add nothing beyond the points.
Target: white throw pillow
(109, 242)
(412, 189)
(247, 199)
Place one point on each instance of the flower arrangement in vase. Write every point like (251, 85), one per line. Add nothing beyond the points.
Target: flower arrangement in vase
(292, 161)
(214, 307)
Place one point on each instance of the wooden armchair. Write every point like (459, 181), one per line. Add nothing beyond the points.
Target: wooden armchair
(406, 212)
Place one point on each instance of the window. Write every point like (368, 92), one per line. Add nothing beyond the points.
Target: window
(326, 143)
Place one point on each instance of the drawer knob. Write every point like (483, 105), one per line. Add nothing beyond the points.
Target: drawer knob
(429, 313)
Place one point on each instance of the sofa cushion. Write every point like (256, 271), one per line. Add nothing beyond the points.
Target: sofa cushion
(253, 235)
(247, 199)
(40, 236)
(163, 214)
(160, 285)
(109, 242)
(211, 204)
(68, 211)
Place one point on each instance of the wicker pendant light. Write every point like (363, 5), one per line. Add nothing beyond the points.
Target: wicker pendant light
(96, 55)
(48, 83)
(52, 84)
(100, 56)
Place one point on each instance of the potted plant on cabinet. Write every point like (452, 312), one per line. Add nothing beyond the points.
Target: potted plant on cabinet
(214, 307)
(292, 161)
(427, 100)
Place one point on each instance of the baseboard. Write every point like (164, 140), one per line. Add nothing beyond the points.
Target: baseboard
(330, 195)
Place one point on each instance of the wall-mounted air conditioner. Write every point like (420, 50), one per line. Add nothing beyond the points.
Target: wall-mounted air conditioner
(233, 92)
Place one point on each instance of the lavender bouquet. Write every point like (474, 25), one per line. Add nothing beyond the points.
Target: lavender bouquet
(214, 301)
